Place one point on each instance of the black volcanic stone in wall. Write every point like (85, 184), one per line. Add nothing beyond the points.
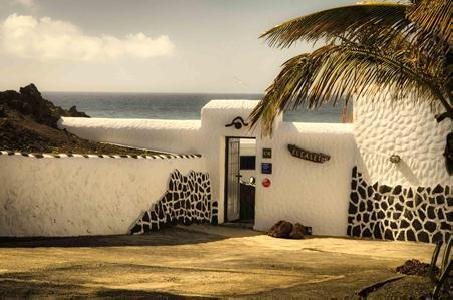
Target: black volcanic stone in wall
(431, 213)
(450, 216)
(362, 206)
(423, 237)
(438, 189)
(367, 233)
(410, 236)
(354, 198)
(418, 200)
(401, 236)
(438, 236)
(404, 224)
(384, 189)
(430, 226)
(370, 191)
(362, 192)
(445, 226)
(136, 229)
(410, 194)
(356, 231)
(388, 235)
(408, 215)
(417, 225)
(397, 190)
(414, 214)
(145, 217)
(421, 215)
(440, 200)
(440, 214)
(377, 231)
(181, 204)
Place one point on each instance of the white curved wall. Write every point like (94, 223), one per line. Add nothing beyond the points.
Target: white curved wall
(316, 195)
(80, 196)
(313, 194)
(406, 129)
(177, 136)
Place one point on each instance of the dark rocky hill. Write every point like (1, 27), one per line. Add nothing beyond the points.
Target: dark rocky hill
(28, 123)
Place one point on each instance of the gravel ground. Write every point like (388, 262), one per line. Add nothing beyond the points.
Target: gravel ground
(205, 261)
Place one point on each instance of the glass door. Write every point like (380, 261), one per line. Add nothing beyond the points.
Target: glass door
(232, 179)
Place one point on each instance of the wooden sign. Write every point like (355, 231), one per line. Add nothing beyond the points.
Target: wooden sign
(307, 155)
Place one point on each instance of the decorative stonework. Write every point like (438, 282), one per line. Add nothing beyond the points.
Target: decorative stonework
(187, 200)
(395, 213)
(307, 155)
(44, 155)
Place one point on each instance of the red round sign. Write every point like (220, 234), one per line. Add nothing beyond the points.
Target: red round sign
(266, 182)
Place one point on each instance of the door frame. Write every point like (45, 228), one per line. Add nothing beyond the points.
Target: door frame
(225, 186)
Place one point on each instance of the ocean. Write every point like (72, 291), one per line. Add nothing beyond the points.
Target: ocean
(186, 106)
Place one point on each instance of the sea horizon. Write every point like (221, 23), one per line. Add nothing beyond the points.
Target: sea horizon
(172, 105)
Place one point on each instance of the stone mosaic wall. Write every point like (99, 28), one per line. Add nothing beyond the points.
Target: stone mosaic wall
(422, 214)
(187, 200)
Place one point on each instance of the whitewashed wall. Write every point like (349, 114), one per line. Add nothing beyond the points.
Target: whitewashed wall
(75, 197)
(301, 191)
(177, 136)
(313, 194)
(79, 196)
(206, 137)
(406, 129)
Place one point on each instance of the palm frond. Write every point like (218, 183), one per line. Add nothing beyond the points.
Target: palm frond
(336, 72)
(347, 21)
(434, 17)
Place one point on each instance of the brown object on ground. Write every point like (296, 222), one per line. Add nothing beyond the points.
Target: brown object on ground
(28, 123)
(297, 232)
(281, 229)
(414, 267)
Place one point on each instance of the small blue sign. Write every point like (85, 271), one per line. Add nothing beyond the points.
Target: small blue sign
(266, 168)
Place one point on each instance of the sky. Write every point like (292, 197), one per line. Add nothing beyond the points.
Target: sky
(202, 46)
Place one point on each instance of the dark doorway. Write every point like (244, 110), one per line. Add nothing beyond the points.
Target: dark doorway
(240, 172)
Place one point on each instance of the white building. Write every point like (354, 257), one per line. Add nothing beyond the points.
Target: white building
(359, 191)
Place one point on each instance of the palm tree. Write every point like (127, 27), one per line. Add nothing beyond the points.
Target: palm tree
(402, 48)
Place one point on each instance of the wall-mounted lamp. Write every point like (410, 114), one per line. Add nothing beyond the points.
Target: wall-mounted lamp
(395, 159)
(237, 122)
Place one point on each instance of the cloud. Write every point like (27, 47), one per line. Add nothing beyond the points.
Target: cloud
(46, 39)
(26, 3)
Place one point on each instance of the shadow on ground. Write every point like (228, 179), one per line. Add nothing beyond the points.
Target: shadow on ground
(167, 237)
(14, 288)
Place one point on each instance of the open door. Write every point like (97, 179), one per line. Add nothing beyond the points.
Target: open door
(232, 179)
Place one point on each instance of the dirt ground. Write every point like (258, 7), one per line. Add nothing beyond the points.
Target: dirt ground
(204, 261)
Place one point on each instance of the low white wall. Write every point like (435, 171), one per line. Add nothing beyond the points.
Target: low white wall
(301, 191)
(177, 136)
(80, 196)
